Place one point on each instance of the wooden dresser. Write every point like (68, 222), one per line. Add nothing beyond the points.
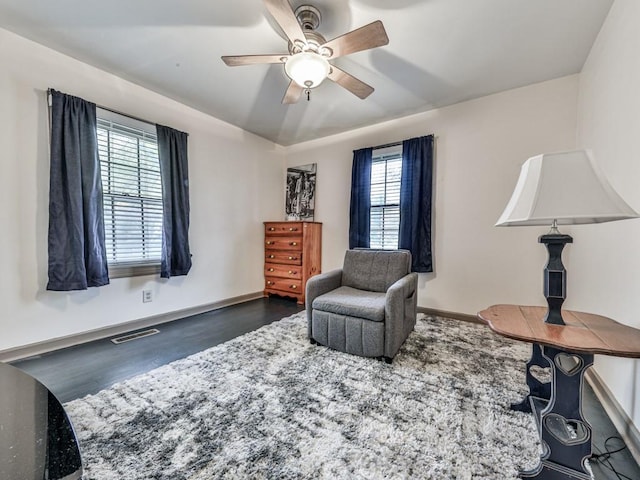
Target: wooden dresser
(292, 255)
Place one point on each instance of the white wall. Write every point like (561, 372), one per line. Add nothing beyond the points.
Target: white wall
(480, 146)
(236, 182)
(605, 267)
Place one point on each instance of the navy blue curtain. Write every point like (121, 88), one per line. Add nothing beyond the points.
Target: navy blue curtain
(359, 220)
(174, 172)
(415, 201)
(77, 256)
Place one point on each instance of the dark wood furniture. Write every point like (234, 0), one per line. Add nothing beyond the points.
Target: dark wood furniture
(567, 351)
(292, 255)
(36, 437)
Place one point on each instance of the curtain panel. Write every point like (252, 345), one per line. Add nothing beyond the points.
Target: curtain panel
(77, 256)
(415, 201)
(359, 211)
(174, 172)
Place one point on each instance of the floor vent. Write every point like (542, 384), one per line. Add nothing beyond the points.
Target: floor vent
(135, 336)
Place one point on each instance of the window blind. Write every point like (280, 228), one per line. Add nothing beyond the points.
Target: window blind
(386, 171)
(132, 193)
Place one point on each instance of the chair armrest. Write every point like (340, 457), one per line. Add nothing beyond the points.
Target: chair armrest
(322, 283)
(401, 301)
(319, 285)
(404, 287)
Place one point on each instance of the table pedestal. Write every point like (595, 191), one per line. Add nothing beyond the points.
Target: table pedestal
(537, 388)
(565, 434)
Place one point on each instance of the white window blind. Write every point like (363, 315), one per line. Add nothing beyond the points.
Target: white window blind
(132, 191)
(386, 171)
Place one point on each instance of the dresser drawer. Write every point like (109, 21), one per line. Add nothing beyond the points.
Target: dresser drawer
(284, 271)
(284, 285)
(283, 243)
(288, 258)
(283, 228)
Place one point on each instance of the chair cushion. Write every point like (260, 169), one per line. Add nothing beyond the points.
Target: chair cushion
(353, 303)
(375, 270)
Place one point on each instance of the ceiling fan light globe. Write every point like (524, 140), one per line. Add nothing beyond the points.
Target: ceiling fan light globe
(307, 69)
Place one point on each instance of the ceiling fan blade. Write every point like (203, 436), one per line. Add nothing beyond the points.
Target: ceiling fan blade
(293, 93)
(283, 14)
(363, 38)
(234, 61)
(351, 83)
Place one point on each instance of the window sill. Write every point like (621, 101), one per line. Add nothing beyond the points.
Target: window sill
(133, 270)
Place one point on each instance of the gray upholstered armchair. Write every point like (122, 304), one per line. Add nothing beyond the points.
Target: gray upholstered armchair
(368, 307)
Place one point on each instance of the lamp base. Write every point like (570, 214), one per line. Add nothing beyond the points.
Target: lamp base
(555, 276)
(554, 315)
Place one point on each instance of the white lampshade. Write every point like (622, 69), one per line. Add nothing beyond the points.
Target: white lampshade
(307, 69)
(567, 187)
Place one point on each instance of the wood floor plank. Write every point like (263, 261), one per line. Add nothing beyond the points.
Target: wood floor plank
(85, 369)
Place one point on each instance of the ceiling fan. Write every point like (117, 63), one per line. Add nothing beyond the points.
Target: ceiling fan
(307, 63)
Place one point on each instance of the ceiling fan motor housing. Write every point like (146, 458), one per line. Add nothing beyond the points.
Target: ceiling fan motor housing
(309, 17)
(308, 65)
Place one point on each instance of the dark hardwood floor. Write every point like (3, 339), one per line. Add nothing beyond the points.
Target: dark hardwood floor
(85, 369)
(88, 368)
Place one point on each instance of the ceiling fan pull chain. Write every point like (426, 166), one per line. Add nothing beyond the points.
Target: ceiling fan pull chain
(308, 92)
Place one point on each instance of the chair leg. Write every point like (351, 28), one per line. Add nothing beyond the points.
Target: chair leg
(387, 360)
(313, 342)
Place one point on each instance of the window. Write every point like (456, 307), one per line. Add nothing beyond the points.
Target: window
(132, 194)
(386, 170)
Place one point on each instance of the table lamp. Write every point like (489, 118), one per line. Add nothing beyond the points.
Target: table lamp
(565, 188)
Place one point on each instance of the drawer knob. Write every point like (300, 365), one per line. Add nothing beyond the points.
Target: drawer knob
(291, 272)
(293, 229)
(293, 244)
(269, 283)
(272, 256)
(294, 287)
(271, 229)
(271, 269)
(269, 243)
(293, 258)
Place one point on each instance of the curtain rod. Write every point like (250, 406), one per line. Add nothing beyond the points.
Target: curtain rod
(393, 144)
(387, 145)
(131, 116)
(125, 115)
(112, 111)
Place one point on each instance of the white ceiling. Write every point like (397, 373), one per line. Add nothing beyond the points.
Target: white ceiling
(440, 52)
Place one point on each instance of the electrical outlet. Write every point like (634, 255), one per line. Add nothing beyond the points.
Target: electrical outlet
(147, 296)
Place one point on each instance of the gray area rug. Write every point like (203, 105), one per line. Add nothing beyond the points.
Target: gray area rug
(268, 405)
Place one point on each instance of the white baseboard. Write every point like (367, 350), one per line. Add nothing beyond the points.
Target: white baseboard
(625, 426)
(18, 353)
(443, 313)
